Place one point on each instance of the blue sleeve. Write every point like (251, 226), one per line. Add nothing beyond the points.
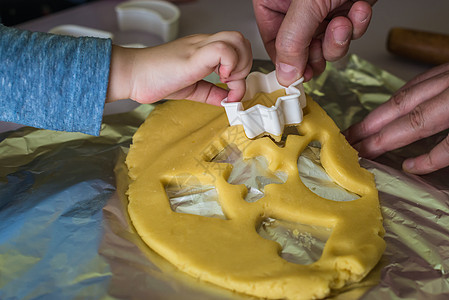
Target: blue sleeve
(53, 82)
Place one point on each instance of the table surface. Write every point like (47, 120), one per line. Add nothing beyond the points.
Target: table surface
(209, 16)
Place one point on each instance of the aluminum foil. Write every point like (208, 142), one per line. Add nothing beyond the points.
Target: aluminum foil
(65, 233)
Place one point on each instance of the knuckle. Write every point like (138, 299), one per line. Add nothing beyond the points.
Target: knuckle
(248, 43)
(238, 35)
(220, 46)
(265, 3)
(240, 38)
(399, 100)
(416, 119)
(320, 9)
(377, 141)
(286, 44)
(375, 145)
(335, 54)
(363, 128)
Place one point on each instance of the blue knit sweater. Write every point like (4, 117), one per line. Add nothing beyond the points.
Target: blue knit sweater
(52, 81)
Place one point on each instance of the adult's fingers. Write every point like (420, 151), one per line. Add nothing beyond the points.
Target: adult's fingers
(436, 71)
(426, 119)
(337, 38)
(269, 16)
(436, 159)
(400, 104)
(360, 16)
(287, 28)
(316, 63)
(294, 37)
(341, 30)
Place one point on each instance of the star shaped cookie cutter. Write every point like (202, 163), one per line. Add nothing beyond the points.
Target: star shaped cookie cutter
(259, 119)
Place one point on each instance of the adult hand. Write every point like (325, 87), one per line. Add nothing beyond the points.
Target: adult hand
(418, 110)
(301, 35)
(175, 70)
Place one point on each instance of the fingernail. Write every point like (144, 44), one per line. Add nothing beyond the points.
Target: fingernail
(342, 34)
(408, 165)
(287, 73)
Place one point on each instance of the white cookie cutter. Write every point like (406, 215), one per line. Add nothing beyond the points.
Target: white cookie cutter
(155, 16)
(259, 119)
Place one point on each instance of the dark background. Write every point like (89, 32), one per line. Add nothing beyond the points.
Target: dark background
(13, 12)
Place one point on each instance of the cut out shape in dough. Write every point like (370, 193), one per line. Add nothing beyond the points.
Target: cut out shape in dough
(194, 199)
(253, 173)
(182, 137)
(301, 243)
(316, 178)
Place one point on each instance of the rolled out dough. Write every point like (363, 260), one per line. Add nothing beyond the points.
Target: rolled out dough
(178, 141)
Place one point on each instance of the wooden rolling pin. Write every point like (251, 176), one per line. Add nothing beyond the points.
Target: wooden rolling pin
(423, 46)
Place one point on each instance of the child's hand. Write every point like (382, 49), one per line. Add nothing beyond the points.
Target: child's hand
(175, 70)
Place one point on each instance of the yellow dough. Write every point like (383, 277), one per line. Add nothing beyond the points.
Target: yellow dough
(178, 142)
(263, 99)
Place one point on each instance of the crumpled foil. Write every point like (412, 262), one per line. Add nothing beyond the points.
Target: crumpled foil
(65, 233)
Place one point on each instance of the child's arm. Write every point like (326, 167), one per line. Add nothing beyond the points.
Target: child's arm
(175, 70)
(61, 82)
(53, 81)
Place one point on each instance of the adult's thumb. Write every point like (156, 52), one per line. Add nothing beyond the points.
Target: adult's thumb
(294, 37)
